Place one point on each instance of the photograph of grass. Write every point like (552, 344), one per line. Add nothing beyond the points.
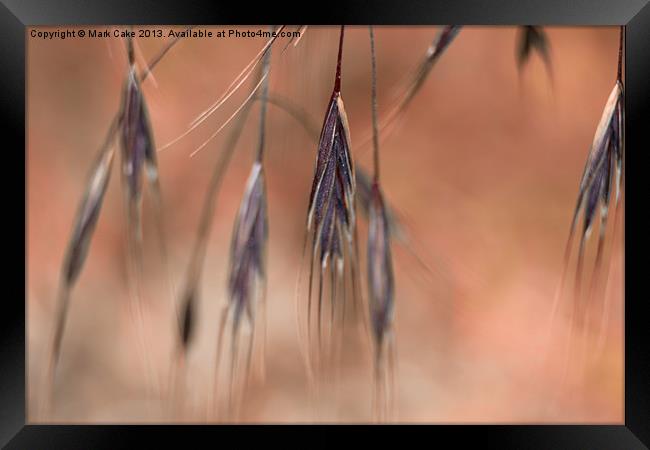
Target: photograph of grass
(330, 224)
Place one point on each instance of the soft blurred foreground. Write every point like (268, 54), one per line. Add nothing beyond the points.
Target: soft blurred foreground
(483, 167)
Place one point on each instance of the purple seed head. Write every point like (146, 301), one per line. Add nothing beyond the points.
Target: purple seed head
(333, 187)
(136, 137)
(87, 216)
(248, 245)
(380, 267)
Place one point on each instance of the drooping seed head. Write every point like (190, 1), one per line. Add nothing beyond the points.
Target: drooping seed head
(248, 245)
(87, 216)
(606, 150)
(380, 267)
(334, 184)
(331, 218)
(138, 147)
(601, 137)
(440, 43)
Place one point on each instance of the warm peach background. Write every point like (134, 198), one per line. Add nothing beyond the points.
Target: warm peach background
(485, 167)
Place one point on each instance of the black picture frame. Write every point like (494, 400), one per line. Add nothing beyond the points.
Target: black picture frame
(15, 15)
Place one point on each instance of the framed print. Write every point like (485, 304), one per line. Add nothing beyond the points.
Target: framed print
(377, 218)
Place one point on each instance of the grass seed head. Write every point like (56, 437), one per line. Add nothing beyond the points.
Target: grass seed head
(334, 180)
(248, 245)
(607, 145)
(380, 267)
(87, 216)
(138, 147)
(440, 43)
(444, 37)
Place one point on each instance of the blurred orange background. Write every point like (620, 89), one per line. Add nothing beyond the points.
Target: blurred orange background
(484, 167)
